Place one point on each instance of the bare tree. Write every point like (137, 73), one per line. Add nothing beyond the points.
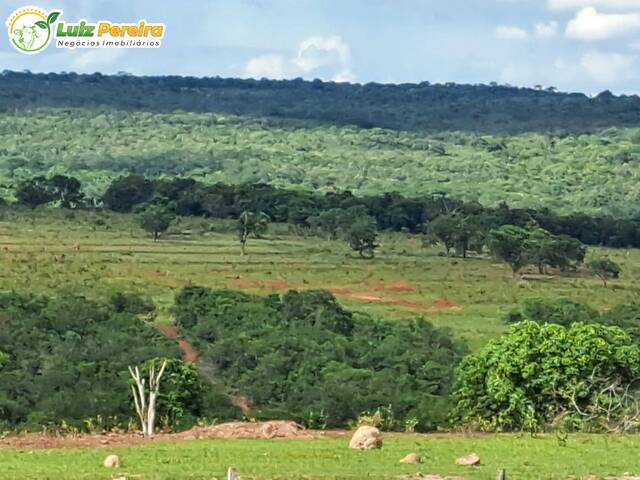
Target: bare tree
(146, 403)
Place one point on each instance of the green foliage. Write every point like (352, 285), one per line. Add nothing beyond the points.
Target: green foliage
(156, 219)
(36, 191)
(66, 361)
(625, 316)
(301, 353)
(130, 303)
(519, 247)
(561, 311)
(362, 236)
(124, 193)
(535, 373)
(605, 268)
(509, 243)
(314, 145)
(181, 399)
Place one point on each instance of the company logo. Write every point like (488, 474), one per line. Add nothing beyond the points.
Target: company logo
(31, 29)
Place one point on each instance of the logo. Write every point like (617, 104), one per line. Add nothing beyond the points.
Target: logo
(31, 29)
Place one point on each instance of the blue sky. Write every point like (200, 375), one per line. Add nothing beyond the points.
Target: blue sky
(575, 45)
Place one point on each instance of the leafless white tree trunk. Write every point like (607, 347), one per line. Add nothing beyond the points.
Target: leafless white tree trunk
(146, 403)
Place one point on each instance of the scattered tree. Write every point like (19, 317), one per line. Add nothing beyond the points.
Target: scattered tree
(509, 244)
(250, 223)
(156, 219)
(34, 192)
(362, 237)
(605, 269)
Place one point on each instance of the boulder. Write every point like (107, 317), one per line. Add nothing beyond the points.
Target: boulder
(412, 458)
(112, 461)
(469, 460)
(366, 438)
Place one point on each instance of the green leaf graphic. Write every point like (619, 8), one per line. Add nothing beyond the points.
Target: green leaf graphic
(41, 24)
(53, 16)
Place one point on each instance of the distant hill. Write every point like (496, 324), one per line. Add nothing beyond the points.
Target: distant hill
(490, 109)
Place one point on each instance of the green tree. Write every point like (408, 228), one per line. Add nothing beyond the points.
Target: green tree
(511, 245)
(67, 191)
(34, 192)
(605, 269)
(328, 222)
(362, 237)
(156, 219)
(561, 311)
(181, 396)
(250, 223)
(536, 372)
(443, 229)
(545, 249)
(125, 193)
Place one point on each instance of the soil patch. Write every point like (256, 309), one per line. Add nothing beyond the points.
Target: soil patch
(189, 354)
(269, 430)
(444, 304)
(398, 287)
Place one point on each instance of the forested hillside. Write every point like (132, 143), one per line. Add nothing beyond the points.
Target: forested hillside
(421, 107)
(529, 148)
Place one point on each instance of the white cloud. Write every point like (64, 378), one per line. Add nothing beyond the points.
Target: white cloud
(589, 24)
(510, 33)
(316, 52)
(95, 60)
(344, 76)
(547, 30)
(609, 68)
(605, 4)
(328, 57)
(268, 66)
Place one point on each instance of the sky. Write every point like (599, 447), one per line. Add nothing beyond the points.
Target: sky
(574, 45)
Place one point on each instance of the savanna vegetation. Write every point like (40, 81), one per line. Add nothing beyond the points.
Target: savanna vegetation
(417, 257)
(96, 128)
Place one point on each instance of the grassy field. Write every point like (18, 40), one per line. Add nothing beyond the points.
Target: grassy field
(94, 253)
(522, 457)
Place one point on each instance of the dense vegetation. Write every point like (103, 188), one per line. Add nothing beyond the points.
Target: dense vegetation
(303, 356)
(96, 128)
(479, 108)
(579, 377)
(454, 223)
(64, 364)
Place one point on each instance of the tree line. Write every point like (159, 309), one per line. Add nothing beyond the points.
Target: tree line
(460, 226)
(409, 106)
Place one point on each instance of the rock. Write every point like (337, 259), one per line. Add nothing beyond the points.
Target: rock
(412, 458)
(112, 461)
(366, 438)
(473, 459)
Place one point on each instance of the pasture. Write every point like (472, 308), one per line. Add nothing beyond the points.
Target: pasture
(523, 457)
(96, 253)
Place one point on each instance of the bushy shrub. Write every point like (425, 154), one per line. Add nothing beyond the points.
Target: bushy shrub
(534, 373)
(66, 362)
(131, 303)
(561, 311)
(300, 353)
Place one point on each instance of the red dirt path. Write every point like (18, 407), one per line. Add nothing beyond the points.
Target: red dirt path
(189, 354)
